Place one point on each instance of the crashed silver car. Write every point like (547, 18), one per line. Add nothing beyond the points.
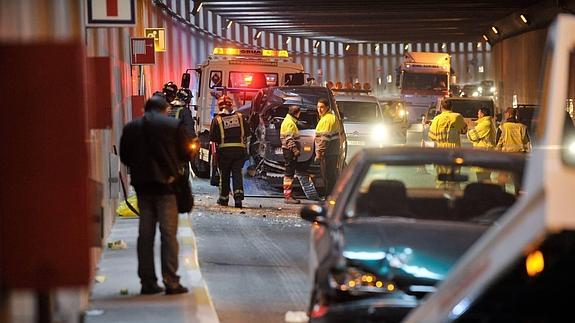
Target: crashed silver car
(268, 110)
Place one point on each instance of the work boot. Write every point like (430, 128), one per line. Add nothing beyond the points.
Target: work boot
(222, 201)
(150, 289)
(291, 200)
(238, 204)
(178, 289)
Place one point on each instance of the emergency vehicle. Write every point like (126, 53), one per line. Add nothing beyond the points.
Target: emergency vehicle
(239, 73)
(522, 270)
(423, 79)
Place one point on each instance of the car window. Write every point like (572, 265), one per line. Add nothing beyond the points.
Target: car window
(354, 111)
(433, 192)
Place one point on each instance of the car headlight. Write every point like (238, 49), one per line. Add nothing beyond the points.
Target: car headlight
(356, 281)
(379, 133)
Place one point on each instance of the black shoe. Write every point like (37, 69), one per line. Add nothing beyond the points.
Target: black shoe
(178, 289)
(222, 202)
(151, 289)
(238, 204)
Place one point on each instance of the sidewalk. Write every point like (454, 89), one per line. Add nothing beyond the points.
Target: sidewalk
(117, 272)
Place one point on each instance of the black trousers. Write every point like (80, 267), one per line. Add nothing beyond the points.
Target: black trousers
(290, 162)
(231, 162)
(329, 172)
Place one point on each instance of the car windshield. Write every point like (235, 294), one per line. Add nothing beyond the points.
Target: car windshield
(468, 108)
(307, 120)
(434, 192)
(423, 81)
(354, 111)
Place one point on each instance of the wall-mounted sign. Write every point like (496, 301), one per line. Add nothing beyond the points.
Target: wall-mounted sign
(142, 51)
(159, 35)
(110, 13)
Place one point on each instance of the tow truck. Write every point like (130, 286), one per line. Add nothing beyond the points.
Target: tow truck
(423, 79)
(522, 270)
(239, 73)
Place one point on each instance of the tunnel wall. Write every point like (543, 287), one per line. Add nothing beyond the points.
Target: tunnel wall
(517, 67)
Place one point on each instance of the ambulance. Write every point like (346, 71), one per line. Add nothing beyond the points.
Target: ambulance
(238, 73)
(523, 268)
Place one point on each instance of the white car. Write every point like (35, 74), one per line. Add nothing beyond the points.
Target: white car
(365, 123)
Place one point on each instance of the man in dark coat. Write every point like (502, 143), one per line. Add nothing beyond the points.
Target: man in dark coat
(153, 147)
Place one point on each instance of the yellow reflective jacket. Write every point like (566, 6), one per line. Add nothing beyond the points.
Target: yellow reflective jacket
(289, 133)
(513, 137)
(483, 135)
(327, 135)
(446, 128)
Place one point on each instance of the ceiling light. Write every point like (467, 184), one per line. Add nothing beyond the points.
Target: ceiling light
(197, 7)
(406, 47)
(229, 24)
(443, 46)
(376, 46)
(478, 44)
(316, 45)
(495, 30)
(485, 37)
(524, 19)
(347, 47)
(258, 35)
(288, 40)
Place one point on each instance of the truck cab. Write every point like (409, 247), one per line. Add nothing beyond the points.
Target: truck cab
(522, 269)
(423, 79)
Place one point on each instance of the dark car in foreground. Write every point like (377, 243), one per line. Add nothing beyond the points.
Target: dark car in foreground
(396, 222)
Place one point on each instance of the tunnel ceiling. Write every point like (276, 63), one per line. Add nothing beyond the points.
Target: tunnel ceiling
(370, 20)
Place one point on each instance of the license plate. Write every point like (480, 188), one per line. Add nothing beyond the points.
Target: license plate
(279, 151)
(355, 143)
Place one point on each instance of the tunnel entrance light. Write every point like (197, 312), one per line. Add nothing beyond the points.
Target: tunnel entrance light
(495, 30)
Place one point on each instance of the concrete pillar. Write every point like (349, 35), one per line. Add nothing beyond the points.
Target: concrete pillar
(517, 67)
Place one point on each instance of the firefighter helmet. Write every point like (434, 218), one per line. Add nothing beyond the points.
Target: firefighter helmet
(170, 89)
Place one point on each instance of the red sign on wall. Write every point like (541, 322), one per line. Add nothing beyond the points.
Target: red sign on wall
(142, 51)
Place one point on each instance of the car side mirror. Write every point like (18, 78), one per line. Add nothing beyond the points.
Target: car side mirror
(313, 213)
(185, 80)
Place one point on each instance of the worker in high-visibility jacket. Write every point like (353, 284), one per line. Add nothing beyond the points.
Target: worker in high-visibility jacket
(483, 135)
(229, 132)
(327, 144)
(289, 135)
(512, 135)
(445, 130)
(446, 127)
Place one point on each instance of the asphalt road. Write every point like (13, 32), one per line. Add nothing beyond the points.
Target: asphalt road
(254, 260)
